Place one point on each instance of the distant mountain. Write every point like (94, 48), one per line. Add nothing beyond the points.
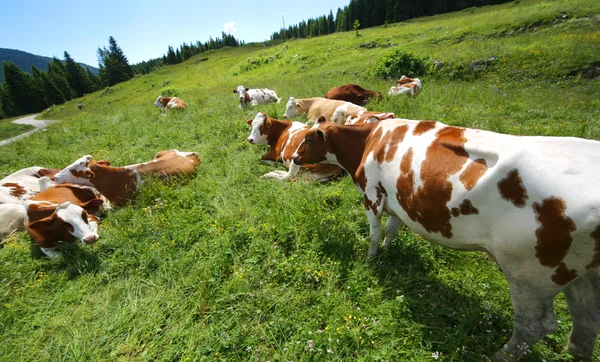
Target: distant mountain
(25, 60)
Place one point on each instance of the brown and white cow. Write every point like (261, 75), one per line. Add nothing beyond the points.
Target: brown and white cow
(119, 183)
(332, 109)
(352, 93)
(284, 137)
(255, 96)
(21, 185)
(405, 85)
(530, 202)
(12, 219)
(169, 103)
(369, 117)
(63, 213)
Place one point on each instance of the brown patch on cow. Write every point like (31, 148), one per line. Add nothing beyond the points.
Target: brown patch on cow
(386, 146)
(247, 98)
(563, 274)
(80, 174)
(596, 258)
(554, 233)
(428, 204)
(465, 208)
(423, 127)
(16, 190)
(374, 205)
(512, 189)
(48, 172)
(473, 173)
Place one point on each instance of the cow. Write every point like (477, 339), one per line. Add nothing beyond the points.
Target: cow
(532, 203)
(352, 93)
(63, 213)
(333, 110)
(255, 96)
(369, 117)
(21, 185)
(169, 103)
(118, 184)
(12, 217)
(405, 85)
(284, 137)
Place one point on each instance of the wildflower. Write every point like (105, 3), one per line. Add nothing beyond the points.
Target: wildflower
(435, 355)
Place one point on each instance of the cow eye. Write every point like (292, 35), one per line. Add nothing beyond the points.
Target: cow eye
(308, 140)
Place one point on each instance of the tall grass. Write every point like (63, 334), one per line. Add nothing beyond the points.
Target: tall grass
(223, 265)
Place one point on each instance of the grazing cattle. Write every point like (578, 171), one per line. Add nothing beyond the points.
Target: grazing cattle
(284, 137)
(119, 183)
(63, 213)
(255, 96)
(21, 185)
(530, 202)
(333, 110)
(405, 85)
(369, 117)
(352, 93)
(169, 103)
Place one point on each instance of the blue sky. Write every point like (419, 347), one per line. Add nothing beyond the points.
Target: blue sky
(144, 29)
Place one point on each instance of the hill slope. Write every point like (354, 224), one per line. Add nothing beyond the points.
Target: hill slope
(25, 60)
(227, 266)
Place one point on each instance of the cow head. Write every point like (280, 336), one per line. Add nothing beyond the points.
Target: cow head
(77, 173)
(158, 103)
(259, 132)
(244, 97)
(69, 222)
(315, 147)
(292, 108)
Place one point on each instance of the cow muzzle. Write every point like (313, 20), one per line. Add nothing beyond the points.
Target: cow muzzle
(90, 239)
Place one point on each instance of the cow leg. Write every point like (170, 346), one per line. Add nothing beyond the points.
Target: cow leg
(534, 318)
(374, 232)
(281, 175)
(50, 252)
(391, 227)
(583, 300)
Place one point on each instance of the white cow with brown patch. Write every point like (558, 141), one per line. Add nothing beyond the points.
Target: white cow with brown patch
(284, 138)
(333, 110)
(408, 86)
(530, 202)
(170, 103)
(255, 96)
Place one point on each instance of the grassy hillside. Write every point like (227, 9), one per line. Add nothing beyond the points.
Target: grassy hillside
(226, 266)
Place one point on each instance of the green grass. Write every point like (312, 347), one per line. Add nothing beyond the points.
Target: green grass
(9, 129)
(223, 265)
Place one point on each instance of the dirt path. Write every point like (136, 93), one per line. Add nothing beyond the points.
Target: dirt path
(30, 120)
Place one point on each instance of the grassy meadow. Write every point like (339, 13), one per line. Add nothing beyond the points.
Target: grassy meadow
(226, 266)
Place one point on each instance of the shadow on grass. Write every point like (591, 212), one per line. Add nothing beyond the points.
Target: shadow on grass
(74, 260)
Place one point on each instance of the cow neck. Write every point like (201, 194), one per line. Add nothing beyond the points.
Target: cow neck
(277, 129)
(348, 143)
(115, 183)
(165, 100)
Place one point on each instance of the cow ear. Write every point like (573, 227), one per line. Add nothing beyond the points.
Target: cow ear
(89, 174)
(42, 224)
(321, 135)
(235, 91)
(103, 162)
(321, 119)
(246, 89)
(92, 206)
(249, 122)
(298, 105)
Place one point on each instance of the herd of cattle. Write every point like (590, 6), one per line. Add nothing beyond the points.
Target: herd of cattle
(531, 203)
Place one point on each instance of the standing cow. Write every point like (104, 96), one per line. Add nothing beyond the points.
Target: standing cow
(530, 202)
(255, 96)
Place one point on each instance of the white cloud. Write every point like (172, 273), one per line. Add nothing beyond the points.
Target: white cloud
(229, 27)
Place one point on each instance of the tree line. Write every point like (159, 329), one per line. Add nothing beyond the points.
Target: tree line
(23, 92)
(370, 13)
(186, 51)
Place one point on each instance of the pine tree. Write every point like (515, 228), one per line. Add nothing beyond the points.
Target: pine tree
(58, 75)
(114, 66)
(78, 79)
(38, 88)
(21, 89)
(171, 56)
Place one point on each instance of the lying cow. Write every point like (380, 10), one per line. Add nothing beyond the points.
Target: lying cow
(63, 213)
(284, 137)
(255, 96)
(119, 183)
(170, 103)
(369, 117)
(333, 110)
(530, 202)
(352, 93)
(405, 85)
(21, 185)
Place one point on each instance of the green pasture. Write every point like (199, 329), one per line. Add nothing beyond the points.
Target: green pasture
(225, 266)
